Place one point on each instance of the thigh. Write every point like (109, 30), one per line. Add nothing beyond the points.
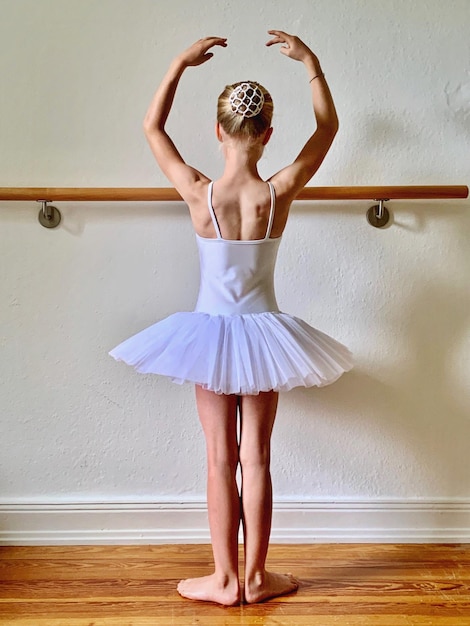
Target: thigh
(257, 415)
(218, 417)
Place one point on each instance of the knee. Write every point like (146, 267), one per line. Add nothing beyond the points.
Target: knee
(255, 459)
(222, 464)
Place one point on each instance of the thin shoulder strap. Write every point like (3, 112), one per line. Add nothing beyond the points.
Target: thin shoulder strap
(211, 210)
(271, 212)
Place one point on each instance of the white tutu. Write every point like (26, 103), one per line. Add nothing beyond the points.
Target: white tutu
(237, 354)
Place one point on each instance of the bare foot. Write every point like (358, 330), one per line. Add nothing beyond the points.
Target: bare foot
(269, 585)
(211, 589)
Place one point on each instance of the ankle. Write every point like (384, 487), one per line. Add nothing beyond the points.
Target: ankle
(255, 578)
(226, 580)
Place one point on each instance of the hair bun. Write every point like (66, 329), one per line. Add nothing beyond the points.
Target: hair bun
(247, 99)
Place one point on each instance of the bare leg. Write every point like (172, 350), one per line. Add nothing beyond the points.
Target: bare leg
(257, 421)
(218, 415)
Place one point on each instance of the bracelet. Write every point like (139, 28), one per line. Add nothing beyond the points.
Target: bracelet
(317, 76)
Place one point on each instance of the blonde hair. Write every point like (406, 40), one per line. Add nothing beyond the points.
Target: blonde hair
(235, 124)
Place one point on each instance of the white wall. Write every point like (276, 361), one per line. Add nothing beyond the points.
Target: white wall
(77, 76)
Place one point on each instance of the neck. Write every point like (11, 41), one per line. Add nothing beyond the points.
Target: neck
(241, 160)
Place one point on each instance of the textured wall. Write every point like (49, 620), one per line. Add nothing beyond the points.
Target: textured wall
(77, 77)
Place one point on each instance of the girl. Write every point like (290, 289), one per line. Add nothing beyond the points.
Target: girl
(237, 347)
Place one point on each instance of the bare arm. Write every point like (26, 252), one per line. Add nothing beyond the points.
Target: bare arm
(168, 158)
(290, 180)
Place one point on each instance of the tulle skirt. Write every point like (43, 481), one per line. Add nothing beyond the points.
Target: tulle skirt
(236, 354)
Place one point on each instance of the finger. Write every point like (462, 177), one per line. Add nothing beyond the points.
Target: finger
(203, 59)
(279, 33)
(285, 48)
(210, 42)
(279, 37)
(216, 41)
(275, 40)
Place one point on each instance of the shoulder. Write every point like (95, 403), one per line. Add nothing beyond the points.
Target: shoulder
(196, 199)
(190, 184)
(285, 190)
(195, 192)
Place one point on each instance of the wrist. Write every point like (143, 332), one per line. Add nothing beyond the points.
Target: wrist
(178, 65)
(312, 65)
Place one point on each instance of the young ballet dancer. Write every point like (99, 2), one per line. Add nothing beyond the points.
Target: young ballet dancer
(236, 346)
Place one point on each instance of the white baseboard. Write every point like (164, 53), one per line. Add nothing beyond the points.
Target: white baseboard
(166, 522)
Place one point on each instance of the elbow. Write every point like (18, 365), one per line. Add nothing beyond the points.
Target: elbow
(150, 128)
(152, 123)
(334, 132)
(147, 126)
(328, 130)
(328, 126)
(336, 125)
(333, 127)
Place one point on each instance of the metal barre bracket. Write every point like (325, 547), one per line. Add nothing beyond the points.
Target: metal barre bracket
(378, 215)
(49, 216)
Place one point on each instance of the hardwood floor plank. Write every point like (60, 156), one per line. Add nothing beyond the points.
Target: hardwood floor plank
(328, 620)
(242, 621)
(149, 571)
(329, 552)
(142, 589)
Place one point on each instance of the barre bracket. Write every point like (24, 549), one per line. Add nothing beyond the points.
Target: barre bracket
(378, 215)
(49, 216)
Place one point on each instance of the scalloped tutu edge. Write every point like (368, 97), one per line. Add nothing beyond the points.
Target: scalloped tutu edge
(237, 354)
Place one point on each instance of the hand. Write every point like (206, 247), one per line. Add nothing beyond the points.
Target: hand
(197, 54)
(293, 46)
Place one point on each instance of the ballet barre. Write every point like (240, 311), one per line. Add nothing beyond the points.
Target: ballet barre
(377, 215)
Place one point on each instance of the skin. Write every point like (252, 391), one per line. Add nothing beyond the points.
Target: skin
(241, 200)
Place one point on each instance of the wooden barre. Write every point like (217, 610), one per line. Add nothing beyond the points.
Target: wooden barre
(168, 194)
(377, 215)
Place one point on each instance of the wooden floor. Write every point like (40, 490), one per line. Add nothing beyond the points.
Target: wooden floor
(354, 585)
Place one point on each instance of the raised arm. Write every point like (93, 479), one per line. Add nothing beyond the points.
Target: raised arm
(168, 158)
(290, 180)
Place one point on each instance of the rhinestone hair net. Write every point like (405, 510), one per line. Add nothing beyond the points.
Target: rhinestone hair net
(247, 100)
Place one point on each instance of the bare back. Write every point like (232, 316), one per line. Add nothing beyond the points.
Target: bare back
(242, 211)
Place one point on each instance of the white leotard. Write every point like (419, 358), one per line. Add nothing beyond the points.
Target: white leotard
(237, 276)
